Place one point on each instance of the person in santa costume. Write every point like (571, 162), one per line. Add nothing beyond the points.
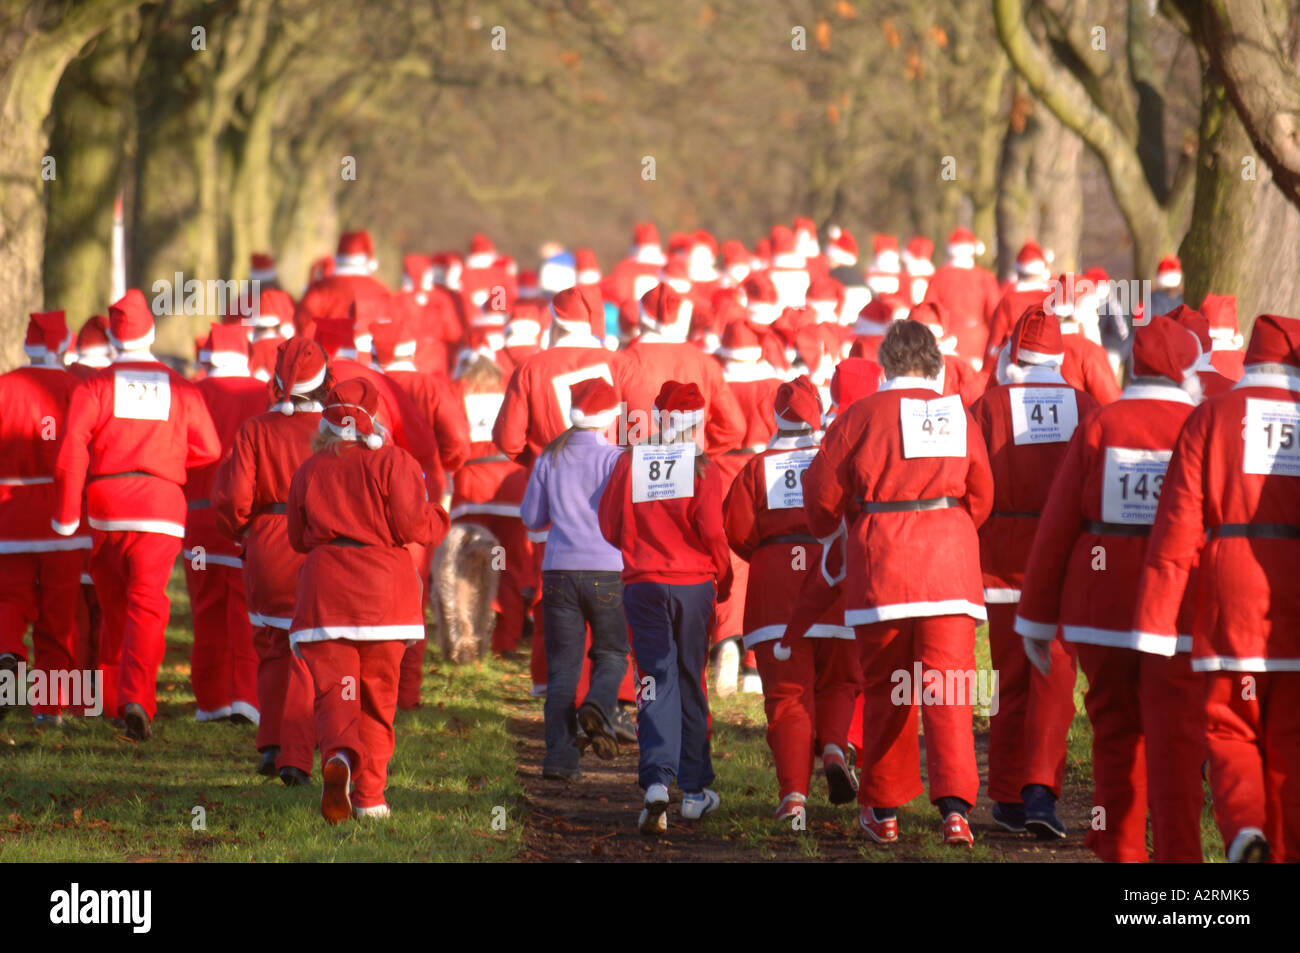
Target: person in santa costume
(918, 268)
(1027, 421)
(1031, 284)
(430, 314)
(788, 271)
(908, 479)
(267, 320)
(582, 586)
(885, 272)
(1213, 381)
(1168, 293)
(262, 270)
(1087, 367)
(133, 431)
(250, 500)
(809, 682)
(1227, 357)
(662, 508)
(661, 353)
(352, 280)
(486, 282)
(1082, 580)
(640, 270)
(41, 569)
(1225, 545)
(94, 352)
(353, 507)
(968, 293)
(223, 662)
(874, 322)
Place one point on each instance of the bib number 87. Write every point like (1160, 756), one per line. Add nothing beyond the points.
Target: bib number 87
(667, 469)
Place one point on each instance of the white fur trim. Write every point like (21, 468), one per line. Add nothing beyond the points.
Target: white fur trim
(411, 632)
(795, 443)
(1001, 597)
(915, 610)
(597, 421)
(483, 509)
(162, 527)
(740, 371)
(1169, 279)
(754, 353)
(1256, 663)
(910, 383)
(1039, 357)
(1170, 392)
(1038, 631)
(1270, 375)
(271, 621)
(135, 344)
(26, 481)
(44, 545)
(819, 630)
(1148, 642)
(65, 529)
(783, 423)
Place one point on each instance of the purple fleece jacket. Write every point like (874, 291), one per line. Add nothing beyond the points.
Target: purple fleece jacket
(564, 490)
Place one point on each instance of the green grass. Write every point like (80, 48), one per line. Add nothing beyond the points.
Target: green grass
(85, 793)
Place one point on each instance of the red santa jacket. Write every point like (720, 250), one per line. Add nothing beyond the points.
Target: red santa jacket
(231, 401)
(652, 361)
(433, 319)
(1011, 305)
(679, 541)
(261, 362)
(535, 409)
(1235, 464)
(353, 513)
(968, 296)
(398, 413)
(332, 297)
(1027, 428)
(1087, 367)
(133, 430)
(904, 564)
(33, 414)
(250, 500)
(510, 356)
(432, 395)
(1084, 565)
(765, 522)
(489, 483)
(754, 386)
(630, 280)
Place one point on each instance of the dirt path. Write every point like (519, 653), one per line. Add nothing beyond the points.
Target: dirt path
(594, 818)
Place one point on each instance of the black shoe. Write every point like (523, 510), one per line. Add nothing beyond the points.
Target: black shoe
(293, 777)
(117, 724)
(8, 663)
(1009, 816)
(137, 722)
(558, 774)
(1040, 813)
(625, 725)
(238, 719)
(266, 763)
(599, 729)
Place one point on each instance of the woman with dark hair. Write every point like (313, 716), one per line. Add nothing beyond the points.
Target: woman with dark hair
(911, 480)
(353, 507)
(249, 497)
(581, 580)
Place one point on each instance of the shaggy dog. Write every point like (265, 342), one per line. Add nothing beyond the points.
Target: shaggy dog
(465, 590)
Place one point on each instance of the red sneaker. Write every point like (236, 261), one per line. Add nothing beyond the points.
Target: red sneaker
(956, 831)
(881, 830)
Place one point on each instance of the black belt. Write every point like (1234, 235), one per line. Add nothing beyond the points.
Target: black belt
(908, 506)
(1118, 529)
(125, 473)
(199, 505)
(1015, 514)
(496, 458)
(1255, 531)
(804, 538)
(348, 542)
(280, 508)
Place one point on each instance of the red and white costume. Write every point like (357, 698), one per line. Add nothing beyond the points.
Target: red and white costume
(352, 281)
(1225, 545)
(1227, 357)
(968, 293)
(1082, 577)
(1213, 381)
(1031, 286)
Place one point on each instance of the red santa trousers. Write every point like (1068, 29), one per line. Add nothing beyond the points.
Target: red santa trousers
(412, 677)
(223, 663)
(356, 701)
(131, 570)
(1027, 733)
(43, 590)
(808, 697)
(1252, 724)
(1148, 745)
(285, 696)
(890, 761)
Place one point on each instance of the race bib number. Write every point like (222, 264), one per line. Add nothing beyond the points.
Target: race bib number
(562, 383)
(141, 395)
(1131, 485)
(933, 428)
(482, 410)
(1272, 438)
(784, 474)
(1042, 414)
(663, 472)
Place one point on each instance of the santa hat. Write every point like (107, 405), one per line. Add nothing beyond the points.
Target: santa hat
(301, 367)
(665, 312)
(741, 341)
(798, 405)
(482, 253)
(826, 297)
(683, 407)
(578, 311)
(273, 308)
(885, 257)
(677, 276)
(593, 404)
(1274, 340)
(417, 273)
(130, 322)
(645, 244)
(93, 348)
(854, 378)
(917, 255)
(805, 237)
(881, 311)
(962, 244)
(320, 269)
(761, 298)
(337, 336)
(526, 284)
(390, 342)
(842, 249)
(1169, 273)
(785, 250)
(263, 267)
(1035, 340)
(1221, 312)
(1164, 348)
(355, 254)
(228, 349)
(1199, 326)
(1097, 276)
(350, 412)
(588, 269)
(47, 336)
(734, 254)
(1032, 261)
(524, 328)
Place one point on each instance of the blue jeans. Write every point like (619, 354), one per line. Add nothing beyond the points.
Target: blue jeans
(670, 641)
(571, 600)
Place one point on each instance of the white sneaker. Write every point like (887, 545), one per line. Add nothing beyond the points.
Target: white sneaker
(695, 806)
(379, 810)
(654, 816)
(1248, 847)
(728, 679)
(752, 684)
(791, 805)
